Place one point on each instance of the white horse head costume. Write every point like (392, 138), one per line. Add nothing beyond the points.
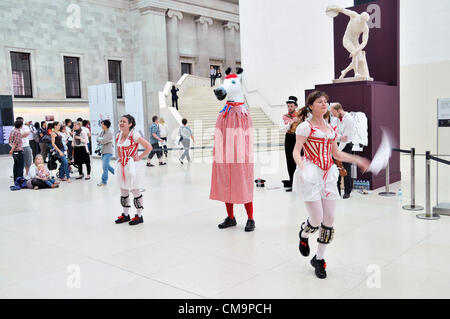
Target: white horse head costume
(231, 87)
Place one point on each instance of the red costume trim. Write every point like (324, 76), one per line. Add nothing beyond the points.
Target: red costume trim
(231, 76)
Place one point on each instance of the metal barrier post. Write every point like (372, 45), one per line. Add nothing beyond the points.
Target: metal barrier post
(428, 215)
(387, 193)
(413, 205)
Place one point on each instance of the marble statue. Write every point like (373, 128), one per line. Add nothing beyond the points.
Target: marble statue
(356, 26)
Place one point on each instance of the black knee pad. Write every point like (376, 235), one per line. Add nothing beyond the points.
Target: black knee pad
(308, 229)
(138, 201)
(125, 201)
(326, 234)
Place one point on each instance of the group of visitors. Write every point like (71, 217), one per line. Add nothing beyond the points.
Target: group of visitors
(214, 74)
(38, 148)
(68, 143)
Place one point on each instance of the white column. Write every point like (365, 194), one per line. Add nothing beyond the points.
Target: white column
(202, 44)
(150, 53)
(173, 53)
(230, 29)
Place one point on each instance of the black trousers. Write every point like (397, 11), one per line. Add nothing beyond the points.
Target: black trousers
(39, 183)
(156, 149)
(165, 146)
(19, 164)
(34, 148)
(289, 144)
(69, 149)
(175, 103)
(348, 181)
(80, 157)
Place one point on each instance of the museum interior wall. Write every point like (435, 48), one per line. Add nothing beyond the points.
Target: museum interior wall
(297, 53)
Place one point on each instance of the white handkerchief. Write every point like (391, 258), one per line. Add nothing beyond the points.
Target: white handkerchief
(382, 155)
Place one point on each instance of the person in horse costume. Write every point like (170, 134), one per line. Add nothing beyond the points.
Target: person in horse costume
(233, 162)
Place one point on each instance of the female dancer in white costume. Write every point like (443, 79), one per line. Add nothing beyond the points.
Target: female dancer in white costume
(127, 141)
(316, 176)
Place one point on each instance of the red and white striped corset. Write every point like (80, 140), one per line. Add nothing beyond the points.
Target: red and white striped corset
(126, 151)
(318, 147)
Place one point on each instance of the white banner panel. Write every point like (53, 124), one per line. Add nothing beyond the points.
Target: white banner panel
(103, 106)
(136, 105)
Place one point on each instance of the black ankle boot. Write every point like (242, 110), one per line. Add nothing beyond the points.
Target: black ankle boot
(228, 222)
(303, 246)
(319, 266)
(123, 219)
(250, 226)
(136, 220)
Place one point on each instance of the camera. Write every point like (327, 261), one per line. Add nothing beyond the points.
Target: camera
(98, 150)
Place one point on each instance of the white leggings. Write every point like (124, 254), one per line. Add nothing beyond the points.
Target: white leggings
(320, 212)
(136, 194)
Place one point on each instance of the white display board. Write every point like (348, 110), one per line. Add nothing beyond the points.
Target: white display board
(136, 105)
(102, 106)
(443, 109)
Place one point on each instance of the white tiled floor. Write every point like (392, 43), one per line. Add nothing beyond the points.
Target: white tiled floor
(180, 253)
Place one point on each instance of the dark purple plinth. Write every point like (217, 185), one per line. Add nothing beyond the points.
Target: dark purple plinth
(381, 104)
(380, 101)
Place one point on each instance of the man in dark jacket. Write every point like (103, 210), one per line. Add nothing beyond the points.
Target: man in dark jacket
(174, 96)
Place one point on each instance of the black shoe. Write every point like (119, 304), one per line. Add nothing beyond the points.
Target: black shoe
(289, 190)
(150, 165)
(303, 246)
(162, 163)
(122, 219)
(250, 226)
(319, 266)
(346, 196)
(228, 222)
(79, 177)
(136, 220)
(287, 183)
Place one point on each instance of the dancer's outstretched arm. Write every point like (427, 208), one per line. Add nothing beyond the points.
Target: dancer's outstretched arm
(362, 162)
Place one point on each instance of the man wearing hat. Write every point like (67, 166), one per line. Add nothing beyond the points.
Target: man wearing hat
(288, 124)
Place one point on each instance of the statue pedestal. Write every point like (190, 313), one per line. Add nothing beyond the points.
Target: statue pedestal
(354, 79)
(381, 104)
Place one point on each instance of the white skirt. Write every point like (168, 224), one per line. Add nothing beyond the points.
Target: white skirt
(310, 184)
(128, 177)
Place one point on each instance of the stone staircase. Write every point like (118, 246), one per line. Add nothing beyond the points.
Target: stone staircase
(201, 108)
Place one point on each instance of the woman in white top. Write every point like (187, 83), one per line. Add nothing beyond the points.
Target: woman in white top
(163, 130)
(80, 150)
(315, 179)
(128, 141)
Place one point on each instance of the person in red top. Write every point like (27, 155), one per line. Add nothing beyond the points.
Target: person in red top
(15, 141)
(315, 179)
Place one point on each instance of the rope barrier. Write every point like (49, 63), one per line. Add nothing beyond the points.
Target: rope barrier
(437, 159)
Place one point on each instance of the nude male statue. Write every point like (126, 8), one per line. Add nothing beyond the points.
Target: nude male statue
(356, 26)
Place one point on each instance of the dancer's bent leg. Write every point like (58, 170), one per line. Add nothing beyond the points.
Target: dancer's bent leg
(311, 225)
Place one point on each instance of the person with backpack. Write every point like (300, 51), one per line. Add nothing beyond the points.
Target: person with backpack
(185, 133)
(106, 141)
